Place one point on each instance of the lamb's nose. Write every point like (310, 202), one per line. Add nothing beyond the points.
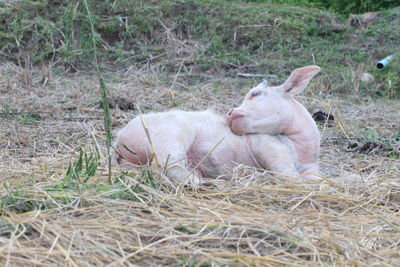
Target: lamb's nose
(235, 113)
(229, 118)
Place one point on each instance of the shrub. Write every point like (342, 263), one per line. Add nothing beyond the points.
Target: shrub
(344, 7)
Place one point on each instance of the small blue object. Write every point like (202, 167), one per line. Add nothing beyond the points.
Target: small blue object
(384, 62)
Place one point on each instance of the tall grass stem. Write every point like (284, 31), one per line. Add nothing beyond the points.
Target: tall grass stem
(104, 91)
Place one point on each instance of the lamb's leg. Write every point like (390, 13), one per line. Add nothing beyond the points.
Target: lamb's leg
(171, 157)
(174, 163)
(282, 164)
(310, 172)
(274, 155)
(164, 150)
(282, 160)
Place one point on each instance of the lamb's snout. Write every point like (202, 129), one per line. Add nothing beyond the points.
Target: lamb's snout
(233, 122)
(233, 114)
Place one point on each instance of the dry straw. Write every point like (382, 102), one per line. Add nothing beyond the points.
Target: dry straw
(257, 218)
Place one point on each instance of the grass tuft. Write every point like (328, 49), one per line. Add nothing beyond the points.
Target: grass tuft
(103, 88)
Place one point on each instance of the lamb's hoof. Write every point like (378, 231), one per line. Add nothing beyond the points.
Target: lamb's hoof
(197, 183)
(208, 184)
(193, 180)
(311, 178)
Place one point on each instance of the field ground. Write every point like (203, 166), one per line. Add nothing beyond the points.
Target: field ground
(258, 218)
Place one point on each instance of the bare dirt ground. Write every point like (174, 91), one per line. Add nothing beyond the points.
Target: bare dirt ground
(258, 218)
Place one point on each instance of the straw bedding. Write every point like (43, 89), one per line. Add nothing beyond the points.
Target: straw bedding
(257, 218)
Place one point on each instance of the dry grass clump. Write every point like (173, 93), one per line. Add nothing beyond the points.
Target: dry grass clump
(274, 222)
(256, 218)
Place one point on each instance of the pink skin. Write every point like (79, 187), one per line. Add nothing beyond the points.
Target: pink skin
(269, 130)
(273, 110)
(182, 139)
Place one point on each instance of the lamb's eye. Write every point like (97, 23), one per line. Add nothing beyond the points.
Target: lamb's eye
(254, 94)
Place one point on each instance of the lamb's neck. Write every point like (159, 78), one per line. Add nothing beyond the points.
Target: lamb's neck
(304, 134)
(246, 144)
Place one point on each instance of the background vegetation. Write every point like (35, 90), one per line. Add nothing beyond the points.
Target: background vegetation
(342, 7)
(213, 37)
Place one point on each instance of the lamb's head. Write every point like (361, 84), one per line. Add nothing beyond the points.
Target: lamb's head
(273, 110)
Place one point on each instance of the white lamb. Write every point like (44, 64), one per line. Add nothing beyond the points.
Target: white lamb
(269, 130)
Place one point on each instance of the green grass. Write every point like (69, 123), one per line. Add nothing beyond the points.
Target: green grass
(77, 183)
(83, 168)
(232, 36)
(71, 192)
(29, 119)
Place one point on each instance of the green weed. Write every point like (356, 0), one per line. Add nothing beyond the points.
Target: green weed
(92, 43)
(146, 177)
(188, 261)
(370, 141)
(18, 202)
(82, 169)
(29, 119)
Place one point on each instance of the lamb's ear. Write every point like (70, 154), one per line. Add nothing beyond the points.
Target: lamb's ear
(299, 79)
